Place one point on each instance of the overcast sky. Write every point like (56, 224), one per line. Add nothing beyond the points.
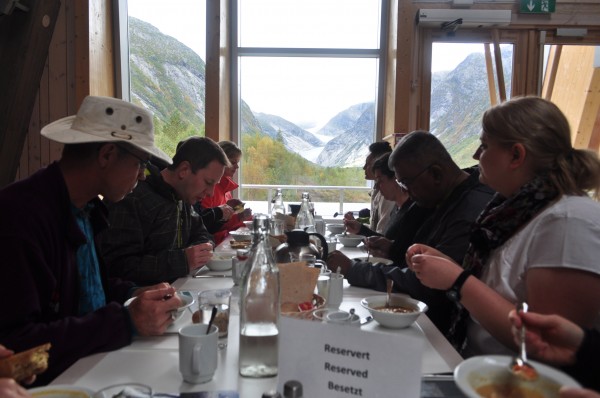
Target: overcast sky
(338, 86)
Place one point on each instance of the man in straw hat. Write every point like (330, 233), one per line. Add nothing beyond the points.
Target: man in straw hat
(55, 288)
(154, 235)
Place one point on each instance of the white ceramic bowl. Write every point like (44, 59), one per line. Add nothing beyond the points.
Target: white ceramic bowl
(241, 234)
(336, 228)
(394, 320)
(481, 371)
(248, 224)
(220, 262)
(350, 240)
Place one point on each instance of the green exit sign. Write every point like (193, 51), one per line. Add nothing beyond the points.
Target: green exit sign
(537, 6)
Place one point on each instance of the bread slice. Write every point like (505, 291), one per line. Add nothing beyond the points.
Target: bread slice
(21, 366)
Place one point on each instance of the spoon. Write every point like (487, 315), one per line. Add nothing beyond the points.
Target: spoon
(212, 318)
(390, 285)
(519, 365)
(202, 270)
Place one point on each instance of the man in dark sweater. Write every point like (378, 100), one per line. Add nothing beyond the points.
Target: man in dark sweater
(425, 169)
(55, 287)
(154, 235)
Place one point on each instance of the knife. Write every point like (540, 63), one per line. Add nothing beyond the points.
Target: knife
(213, 276)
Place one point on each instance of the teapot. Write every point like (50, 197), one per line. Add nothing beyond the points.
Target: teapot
(298, 243)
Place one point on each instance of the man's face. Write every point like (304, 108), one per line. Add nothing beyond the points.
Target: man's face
(367, 167)
(386, 186)
(123, 171)
(235, 165)
(416, 179)
(195, 186)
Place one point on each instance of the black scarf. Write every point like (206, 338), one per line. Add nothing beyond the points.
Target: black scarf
(501, 219)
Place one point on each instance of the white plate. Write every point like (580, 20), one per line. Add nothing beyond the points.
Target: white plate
(374, 260)
(482, 370)
(61, 391)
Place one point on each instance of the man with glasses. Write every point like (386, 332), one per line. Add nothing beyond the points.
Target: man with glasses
(154, 235)
(55, 287)
(424, 168)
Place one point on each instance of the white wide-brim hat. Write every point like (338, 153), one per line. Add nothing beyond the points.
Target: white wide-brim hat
(106, 119)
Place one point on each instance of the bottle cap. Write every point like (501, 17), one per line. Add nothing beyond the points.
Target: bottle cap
(271, 394)
(292, 389)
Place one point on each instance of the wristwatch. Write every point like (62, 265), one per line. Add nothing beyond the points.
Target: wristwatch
(453, 293)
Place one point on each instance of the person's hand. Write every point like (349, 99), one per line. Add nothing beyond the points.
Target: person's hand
(151, 311)
(337, 259)
(378, 246)
(227, 212)
(419, 248)
(9, 388)
(4, 353)
(246, 215)
(198, 255)
(435, 272)
(352, 226)
(550, 338)
(233, 203)
(349, 216)
(571, 392)
(162, 285)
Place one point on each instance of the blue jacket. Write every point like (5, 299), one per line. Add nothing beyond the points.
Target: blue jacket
(39, 297)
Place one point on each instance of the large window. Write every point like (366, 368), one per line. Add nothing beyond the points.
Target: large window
(166, 52)
(463, 85)
(306, 92)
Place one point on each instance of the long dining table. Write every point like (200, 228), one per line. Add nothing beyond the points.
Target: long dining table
(153, 361)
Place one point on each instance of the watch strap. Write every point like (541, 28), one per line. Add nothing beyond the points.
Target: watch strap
(454, 292)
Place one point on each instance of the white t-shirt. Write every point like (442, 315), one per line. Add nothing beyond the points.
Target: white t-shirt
(564, 235)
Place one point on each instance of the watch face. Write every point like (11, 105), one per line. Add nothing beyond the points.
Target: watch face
(452, 295)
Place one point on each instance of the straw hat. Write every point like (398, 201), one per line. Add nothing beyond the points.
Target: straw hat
(106, 119)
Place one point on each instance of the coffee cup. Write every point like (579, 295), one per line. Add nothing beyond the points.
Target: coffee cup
(335, 292)
(198, 353)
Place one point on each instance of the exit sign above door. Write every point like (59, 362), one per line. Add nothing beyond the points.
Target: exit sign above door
(537, 6)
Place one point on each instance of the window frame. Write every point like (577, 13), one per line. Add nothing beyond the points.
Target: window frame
(286, 52)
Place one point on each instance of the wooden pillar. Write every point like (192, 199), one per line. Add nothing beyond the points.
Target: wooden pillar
(24, 40)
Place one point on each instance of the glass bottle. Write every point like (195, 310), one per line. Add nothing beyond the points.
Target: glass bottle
(278, 205)
(305, 220)
(259, 307)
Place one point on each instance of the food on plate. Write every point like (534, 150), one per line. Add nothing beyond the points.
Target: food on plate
(525, 372)
(240, 244)
(394, 309)
(298, 284)
(509, 391)
(21, 366)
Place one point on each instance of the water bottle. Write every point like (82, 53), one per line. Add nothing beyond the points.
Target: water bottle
(278, 205)
(259, 307)
(305, 220)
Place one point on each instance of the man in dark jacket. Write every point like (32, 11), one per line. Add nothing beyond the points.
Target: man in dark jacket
(425, 169)
(55, 288)
(154, 235)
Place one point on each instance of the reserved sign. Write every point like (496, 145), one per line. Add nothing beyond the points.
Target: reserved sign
(333, 360)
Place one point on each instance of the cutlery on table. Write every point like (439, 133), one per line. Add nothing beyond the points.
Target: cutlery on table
(519, 365)
(390, 285)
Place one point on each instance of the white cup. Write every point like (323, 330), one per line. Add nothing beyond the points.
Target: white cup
(339, 317)
(335, 290)
(198, 353)
(323, 284)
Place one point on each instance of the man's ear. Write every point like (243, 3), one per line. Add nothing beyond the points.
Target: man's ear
(105, 153)
(183, 169)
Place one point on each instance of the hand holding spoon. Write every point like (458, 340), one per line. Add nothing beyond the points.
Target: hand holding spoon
(519, 365)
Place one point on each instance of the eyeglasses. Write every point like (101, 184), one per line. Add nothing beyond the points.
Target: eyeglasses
(406, 182)
(143, 162)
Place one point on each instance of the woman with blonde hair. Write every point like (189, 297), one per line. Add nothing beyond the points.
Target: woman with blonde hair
(537, 240)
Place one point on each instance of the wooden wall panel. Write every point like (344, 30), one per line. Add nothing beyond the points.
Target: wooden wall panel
(571, 87)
